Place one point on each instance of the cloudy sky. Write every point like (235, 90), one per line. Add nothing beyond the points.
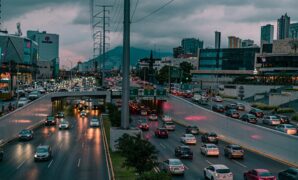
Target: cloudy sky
(161, 31)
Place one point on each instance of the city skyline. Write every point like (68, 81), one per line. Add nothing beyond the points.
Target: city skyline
(192, 18)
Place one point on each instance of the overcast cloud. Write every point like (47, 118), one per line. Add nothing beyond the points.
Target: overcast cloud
(163, 30)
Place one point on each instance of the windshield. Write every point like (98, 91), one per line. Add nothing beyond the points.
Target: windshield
(223, 171)
(94, 120)
(176, 162)
(265, 174)
(24, 132)
(236, 148)
(41, 150)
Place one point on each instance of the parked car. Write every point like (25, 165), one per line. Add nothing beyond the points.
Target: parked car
(209, 138)
(43, 153)
(22, 102)
(170, 126)
(283, 119)
(188, 139)
(218, 172)
(289, 174)
(217, 99)
(161, 133)
(50, 120)
(64, 124)
(258, 174)
(231, 106)
(172, 166)
(287, 128)
(209, 150)
(192, 130)
(166, 118)
(153, 117)
(249, 118)
(257, 112)
(94, 122)
(183, 152)
(240, 107)
(218, 108)
(234, 151)
(232, 113)
(26, 134)
(271, 120)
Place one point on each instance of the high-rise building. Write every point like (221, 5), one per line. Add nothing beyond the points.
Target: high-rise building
(283, 27)
(247, 43)
(234, 42)
(48, 47)
(294, 31)
(217, 39)
(267, 33)
(177, 51)
(191, 45)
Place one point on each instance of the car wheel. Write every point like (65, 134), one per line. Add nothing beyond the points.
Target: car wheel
(244, 177)
(205, 176)
(212, 178)
(230, 156)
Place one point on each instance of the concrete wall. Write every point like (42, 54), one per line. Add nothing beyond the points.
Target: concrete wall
(285, 97)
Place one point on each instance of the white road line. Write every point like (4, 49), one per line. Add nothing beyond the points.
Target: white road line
(21, 164)
(209, 162)
(240, 164)
(162, 145)
(79, 162)
(50, 163)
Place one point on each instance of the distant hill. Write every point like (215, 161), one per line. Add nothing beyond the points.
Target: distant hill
(115, 56)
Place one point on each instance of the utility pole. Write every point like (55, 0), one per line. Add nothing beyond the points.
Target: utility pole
(125, 66)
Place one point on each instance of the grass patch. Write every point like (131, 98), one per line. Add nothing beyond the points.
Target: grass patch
(228, 97)
(121, 173)
(263, 106)
(291, 89)
(285, 110)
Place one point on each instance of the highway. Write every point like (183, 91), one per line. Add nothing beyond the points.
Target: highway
(194, 168)
(78, 153)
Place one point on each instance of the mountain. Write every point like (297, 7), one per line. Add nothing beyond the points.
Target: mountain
(114, 56)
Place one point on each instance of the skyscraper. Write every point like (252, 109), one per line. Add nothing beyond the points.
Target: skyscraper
(294, 31)
(217, 39)
(247, 43)
(283, 27)
(191, 45)
(267, 33)
(234, 42)
(177, 51)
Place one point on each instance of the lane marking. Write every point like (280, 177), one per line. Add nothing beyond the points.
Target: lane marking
(21, 164)
(240, 164)
(162, 145)
(209, 162)
(50, 163)
(79, 162)
(156, 169)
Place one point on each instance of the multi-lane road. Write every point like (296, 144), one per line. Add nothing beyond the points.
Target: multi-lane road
(78, 153)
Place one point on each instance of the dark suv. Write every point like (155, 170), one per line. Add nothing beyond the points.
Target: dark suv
(249, 118)
(231, 106)
(183, 152)
(43, 153)
(289, 174)
(283, 119)
(209, 138)
(257, 112)
(218, 108)
(50, 121)
(26, 134)
(161, 133)
(232, 113)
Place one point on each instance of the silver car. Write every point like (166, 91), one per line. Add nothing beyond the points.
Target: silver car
(271, 120)
(170, 126)
(287, 128)
(173, 166)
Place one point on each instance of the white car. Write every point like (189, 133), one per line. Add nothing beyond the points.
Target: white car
(173, 166)
(83, 113)
(23, 101)
(64, 124)
(170, 126)
(94, 122)
(287, 128)
(209, 150)
(144, 113)
(189, 139)
(153, 117)
(34, 95)
(218, 172)
(166, 118)
(271, 120)
(217, 99)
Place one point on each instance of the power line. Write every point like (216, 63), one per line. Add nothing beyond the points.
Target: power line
(134, 11)
(153, 12)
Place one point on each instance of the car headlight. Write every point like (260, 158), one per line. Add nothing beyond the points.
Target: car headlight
(216, 175)
(35, 155)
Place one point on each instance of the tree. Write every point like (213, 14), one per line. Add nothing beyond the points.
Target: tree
(163, 75)
(185, 68)
(138, 153)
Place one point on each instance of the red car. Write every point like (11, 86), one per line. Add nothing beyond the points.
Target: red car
(259, 174)
(144, 126)
(161, 133)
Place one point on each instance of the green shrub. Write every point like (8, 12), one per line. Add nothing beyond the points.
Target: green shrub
(155, 176)
(263, 106)
(285, 110)
(295, 117)
(228, 97)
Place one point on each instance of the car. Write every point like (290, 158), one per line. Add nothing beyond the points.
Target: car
(153, 117)
(22, 102)
(192, 130)
(21, 92)
(170, 126)
(257, 112)
(50, 120)
(188, 139)
(209, 150)
(1, 154)
(34, 95)
(232, 113)
(203, 101)
(83, 113)
(64, 124)
(249, 118)
(217, 99)
(287, 128)
(161, 133)
(94, 122)
(289, 174)
(172, 166)
(183, 152)
(166, 118)
(271, 120)
(43, 153)
(258, 174)
(144, 112)
(240, 106)
(218, 172)
(231, 106)
(25, 134)
(144, 126)
(209, 138)
(283, 119)
(233, 151)
(218, 108)
(59, 115)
